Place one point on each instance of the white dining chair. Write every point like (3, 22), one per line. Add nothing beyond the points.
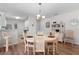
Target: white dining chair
(6, 36)
(40, 44)
(29, 43)
(52, 40)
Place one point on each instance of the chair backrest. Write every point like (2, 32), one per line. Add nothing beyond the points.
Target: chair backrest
(29, 34)
(40, 33)
(28, 38)
(39, 43)
(5, 34)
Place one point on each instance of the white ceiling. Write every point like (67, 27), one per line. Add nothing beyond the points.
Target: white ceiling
(32, 9)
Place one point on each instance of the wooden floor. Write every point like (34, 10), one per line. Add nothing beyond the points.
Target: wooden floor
(63, 49)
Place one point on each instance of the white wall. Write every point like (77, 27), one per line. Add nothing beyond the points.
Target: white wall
(65, 18)
(43, 25)
(31, 21)
(15, 32)
(33, 29)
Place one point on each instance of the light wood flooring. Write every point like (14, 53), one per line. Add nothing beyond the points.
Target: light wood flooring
(63, 49)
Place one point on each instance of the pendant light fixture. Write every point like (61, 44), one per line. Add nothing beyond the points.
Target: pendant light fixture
(39, 13)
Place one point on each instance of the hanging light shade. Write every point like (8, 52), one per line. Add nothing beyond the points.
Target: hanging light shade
(38, 16)
(43, 17)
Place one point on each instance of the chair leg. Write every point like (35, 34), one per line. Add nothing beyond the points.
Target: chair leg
(25, 49)
(48, 51)
(56, 48)
(53, 48)
(6, 45)
(6, 49)
(28, 50)
(44, 52)
(33, 51)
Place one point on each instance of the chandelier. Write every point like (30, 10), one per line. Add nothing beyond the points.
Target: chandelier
(38, 15)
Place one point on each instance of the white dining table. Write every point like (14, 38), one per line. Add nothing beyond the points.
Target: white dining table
(48, 39)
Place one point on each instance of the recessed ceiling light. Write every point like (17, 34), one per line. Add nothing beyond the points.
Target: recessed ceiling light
(17, 17)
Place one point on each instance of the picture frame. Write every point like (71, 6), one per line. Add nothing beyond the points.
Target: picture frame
(57, 25)
(47, 24)
(8, 27)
